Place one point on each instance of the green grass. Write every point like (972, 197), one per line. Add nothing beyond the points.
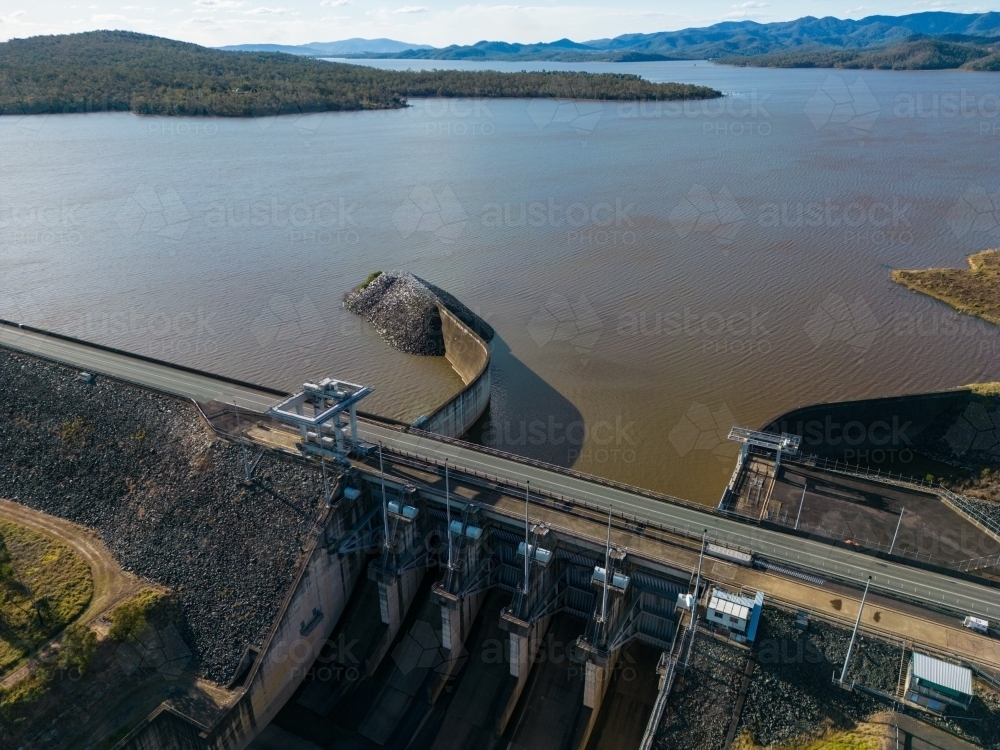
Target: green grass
(48, 587)
(984, 389)
(845, 741)
(23, 692)
(864, 736)
(371, 277)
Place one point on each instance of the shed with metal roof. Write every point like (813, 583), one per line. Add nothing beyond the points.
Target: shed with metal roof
(739, 614)
(932, 681)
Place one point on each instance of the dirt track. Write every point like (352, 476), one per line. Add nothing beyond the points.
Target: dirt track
(112, 585)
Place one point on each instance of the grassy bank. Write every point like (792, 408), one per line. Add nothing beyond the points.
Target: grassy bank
(973, 291)
(129, 72)
(865, 736)
(44, 586)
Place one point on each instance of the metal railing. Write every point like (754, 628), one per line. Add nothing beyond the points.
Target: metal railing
(979, 563)
(668, 661)
(972, 508)
(862, 472)
(863, 542)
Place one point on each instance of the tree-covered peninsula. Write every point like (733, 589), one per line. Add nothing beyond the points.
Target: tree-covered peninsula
(130, 72)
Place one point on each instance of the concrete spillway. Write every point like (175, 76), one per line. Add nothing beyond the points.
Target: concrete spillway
(482, 688)
(457, 677)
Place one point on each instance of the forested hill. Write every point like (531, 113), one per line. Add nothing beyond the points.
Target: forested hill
(125, 71)
(916, 53)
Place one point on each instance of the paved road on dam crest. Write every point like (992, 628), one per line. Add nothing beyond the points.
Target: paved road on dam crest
(806, 554)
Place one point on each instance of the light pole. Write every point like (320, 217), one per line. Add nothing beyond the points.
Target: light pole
(447, 502)
(385, 504)
(850, 646)
(898, 524)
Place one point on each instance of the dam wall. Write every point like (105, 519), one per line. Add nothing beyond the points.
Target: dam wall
(469, 355)
(913, 435)
(311, 610)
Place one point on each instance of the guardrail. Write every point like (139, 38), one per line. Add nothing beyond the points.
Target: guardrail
(969, 506)
(979, 563)
(493, 482)
(842, 467)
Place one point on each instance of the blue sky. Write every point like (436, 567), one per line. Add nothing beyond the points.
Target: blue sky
(436, 22)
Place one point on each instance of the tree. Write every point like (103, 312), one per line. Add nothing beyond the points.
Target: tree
(6, 565)
(8, 579)
(78, 646)
(128, 620)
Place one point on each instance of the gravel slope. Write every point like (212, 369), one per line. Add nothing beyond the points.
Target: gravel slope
(167, 500)
(701, 703)
(403, 309)
(792, 694)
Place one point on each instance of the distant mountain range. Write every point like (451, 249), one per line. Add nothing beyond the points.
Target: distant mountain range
(723, 40)
(332, 49)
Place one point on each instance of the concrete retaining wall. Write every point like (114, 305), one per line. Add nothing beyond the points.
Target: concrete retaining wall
(165, 729)
(523, 652)
(323, 585)
(470, 357)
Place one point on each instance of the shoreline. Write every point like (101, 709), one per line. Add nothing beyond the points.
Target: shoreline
(970, 291)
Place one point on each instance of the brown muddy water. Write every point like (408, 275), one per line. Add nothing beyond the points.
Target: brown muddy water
(655, 273)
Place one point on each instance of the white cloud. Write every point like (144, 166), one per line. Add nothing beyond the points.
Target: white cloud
(266, 11)
(751, 5)
(17, 14)
(104, 17)
(336, 3)
(412, 9)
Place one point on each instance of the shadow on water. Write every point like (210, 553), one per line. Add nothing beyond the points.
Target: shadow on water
(527, 416)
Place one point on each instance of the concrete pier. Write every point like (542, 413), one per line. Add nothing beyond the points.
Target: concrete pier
(482, 688)
(551, 708)
(629, 700)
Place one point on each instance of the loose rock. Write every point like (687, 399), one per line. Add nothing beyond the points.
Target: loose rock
(167, 499)
(403, 309)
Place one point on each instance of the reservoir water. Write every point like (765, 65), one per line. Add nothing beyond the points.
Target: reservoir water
(655, 272)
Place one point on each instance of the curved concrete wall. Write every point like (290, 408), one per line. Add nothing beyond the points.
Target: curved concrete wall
(470, 357)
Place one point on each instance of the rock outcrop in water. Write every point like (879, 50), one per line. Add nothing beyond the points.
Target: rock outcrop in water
(403, 308)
